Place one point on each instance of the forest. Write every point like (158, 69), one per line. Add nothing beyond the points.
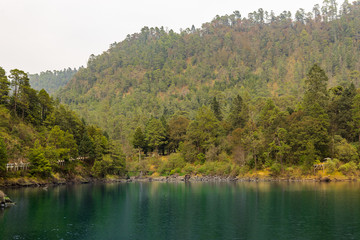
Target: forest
(36, 129)
(238, 94)
(51, 81)
(266, 92)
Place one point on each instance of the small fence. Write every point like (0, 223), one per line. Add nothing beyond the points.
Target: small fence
(24, 166)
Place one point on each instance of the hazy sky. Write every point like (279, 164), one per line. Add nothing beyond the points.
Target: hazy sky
(40, 35)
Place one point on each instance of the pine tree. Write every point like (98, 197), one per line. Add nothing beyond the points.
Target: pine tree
(316, 90)
(215, 107)
(3, 156)
(40, 166)
(238, 113)
(4, 87)
(139, 139)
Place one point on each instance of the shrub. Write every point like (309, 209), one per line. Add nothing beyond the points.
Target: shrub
(345, 152)
(235, 171)
(201, 157)
(275, 169)
(243, 170)
(332, 165)
(188, 169)
(173, 165)
(348, 168)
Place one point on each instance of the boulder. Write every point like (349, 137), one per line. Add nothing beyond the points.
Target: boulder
(325, 179)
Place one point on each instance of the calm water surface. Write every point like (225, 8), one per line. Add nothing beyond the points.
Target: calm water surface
(185, 211)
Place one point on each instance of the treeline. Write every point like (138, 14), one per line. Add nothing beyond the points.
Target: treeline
(157, 73)
(268, 132)
(51, 81)
(34, 128)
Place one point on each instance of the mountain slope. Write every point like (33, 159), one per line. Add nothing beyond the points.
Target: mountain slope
(157, 73)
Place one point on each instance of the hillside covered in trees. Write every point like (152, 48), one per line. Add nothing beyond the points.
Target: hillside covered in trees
(238, 93)
(37, 130)
(51, 81)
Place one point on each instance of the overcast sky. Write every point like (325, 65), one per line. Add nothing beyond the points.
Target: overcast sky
(40, 35)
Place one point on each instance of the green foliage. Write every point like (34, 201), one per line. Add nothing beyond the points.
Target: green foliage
(204, 130)
(173, 165)
(316, 94)
(345, 152)
(348, 168)
(3, 156)
(51, 80)
(40, 166)
(193, 94)
(275, 169)
(332, 165)
(139, 139)
(155, 134)
(177, 131)
(4, 87)
(215, 107)
(238, 115)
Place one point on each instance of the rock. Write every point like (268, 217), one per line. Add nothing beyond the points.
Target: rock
(2, 196)
(325, 179)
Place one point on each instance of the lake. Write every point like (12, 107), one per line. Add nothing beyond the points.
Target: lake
(184, 211)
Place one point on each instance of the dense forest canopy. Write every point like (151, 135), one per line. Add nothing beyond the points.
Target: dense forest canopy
(262, 91)
(51, 81)
(36, 129)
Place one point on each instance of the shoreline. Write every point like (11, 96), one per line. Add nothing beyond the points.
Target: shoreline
(32, 182)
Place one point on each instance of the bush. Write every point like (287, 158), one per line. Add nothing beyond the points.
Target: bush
(332, 165)
(235, 171)
(173, 165)
(345, 152)
(188, 169)
(243, 170)
(40, 166)
(289, 171)
(201, 157)
(348, 168)
(275, 169)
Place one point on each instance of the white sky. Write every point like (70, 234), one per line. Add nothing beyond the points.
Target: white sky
(40, 35)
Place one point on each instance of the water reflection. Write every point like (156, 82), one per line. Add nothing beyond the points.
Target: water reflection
(185, 211)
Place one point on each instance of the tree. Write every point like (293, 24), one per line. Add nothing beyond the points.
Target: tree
(177, 131)
(20, 82)
(86, 147)
(238, 113)
(356, 115)
(155, 134)
(316, 90)
(139, 141)
(40, 166)
(4, 87)
(60, 145)
(215, 107)
(3, 156)
(46, 104)
(205, 130)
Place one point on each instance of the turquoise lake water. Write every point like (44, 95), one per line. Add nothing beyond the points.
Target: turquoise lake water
(185, 211)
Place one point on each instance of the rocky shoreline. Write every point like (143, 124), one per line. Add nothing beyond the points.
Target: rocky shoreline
(17, 183)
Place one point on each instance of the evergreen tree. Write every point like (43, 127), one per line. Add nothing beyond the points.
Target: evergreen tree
(46, 104)
(20, 82)
(139, 140)
(3, 156)
(40, 166)
(215, 107)
(155, 134)
(238, 113)
(86, 147)
(4, 87)
(316, 90)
